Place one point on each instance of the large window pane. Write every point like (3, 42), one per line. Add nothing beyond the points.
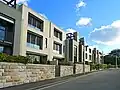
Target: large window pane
(57, 47)
(33, 39)
(57, 34)
(86, 55)
(2, 33)
(1, 49)
(28, 38)
(35, 21)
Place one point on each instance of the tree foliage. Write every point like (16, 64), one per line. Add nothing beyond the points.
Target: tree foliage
(111, 57)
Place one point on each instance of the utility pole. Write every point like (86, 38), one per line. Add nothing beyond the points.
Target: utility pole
(102, 57)
(84, 59)
(116, 62)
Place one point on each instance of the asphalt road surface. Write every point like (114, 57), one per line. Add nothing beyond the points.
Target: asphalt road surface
(103, 80)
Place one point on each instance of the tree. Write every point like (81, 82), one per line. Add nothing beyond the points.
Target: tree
(111, 57)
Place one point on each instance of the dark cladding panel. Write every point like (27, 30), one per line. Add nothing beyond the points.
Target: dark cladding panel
(75, 36)
(70, 50)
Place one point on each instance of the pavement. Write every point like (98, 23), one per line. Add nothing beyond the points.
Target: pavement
(102, 80)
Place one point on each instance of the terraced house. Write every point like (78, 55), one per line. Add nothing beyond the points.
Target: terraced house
(25, 32)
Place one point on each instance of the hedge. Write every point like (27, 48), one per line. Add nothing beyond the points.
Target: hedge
(14, 59)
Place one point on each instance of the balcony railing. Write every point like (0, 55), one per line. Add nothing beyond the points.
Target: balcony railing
(33, 46)
(37, 29)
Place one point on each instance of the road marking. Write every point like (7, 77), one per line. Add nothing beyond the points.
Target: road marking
(52, 85)
(58, 83)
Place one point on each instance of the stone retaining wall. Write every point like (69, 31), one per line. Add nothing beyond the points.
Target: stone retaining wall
(66, 70)
(87, 68)
(79, 68)
(16, 73)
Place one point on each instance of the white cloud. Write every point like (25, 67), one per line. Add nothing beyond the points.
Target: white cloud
(80, 4)
(70, 30)
(25, 2)
(107, 35)
(84, 21)
(43, 15)
(95, 46)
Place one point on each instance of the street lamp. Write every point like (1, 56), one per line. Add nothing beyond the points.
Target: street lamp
(116, 59)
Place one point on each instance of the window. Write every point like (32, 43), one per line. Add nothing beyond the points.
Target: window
(46, 42)
(33, 37)
(89, 50)
(57, 34)
(86, 48)
(64, 48)
(34, 41)
(2, 33)
(57, 47)
(28, 37)
(34, 21)
(38, 40)
(75, 50)
(90, 57)
(1, 49)
(86, 55)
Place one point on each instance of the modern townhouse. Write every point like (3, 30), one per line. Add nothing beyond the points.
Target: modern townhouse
(97, 56)
(85, 52)
(72, 47)
(35, 35)
(10, 27)
(88, 54)
(56, 43)
(81, 50)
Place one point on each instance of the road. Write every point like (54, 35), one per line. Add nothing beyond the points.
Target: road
(103, 80)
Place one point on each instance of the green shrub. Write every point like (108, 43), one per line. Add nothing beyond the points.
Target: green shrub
(14, 59)
(111, 66)
(92, 67)
(3, 57)
(22, 59)
(98, 66)
(104, 66)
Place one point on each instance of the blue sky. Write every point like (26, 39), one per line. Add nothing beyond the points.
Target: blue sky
(97, 20)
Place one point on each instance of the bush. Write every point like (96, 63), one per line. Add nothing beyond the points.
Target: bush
(3, 57)
(98, 66)
(92, 67)
(104, 66)
(14, 59)
(111, 66)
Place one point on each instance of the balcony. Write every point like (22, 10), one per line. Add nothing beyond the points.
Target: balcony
(35, 22)
(33, 46)
(37, 29)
